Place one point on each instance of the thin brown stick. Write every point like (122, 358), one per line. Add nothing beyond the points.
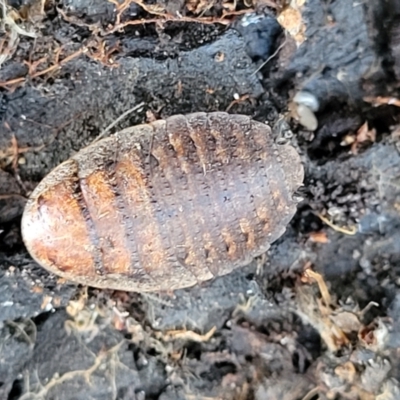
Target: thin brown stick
(352, 231)
(5, 196)
(269, 58)
(115, 122)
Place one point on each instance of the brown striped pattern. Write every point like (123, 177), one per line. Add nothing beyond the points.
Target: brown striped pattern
(164, 205)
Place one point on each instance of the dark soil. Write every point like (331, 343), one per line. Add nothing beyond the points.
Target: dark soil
(266, 331)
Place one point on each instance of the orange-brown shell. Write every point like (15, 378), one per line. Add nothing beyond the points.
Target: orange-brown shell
(165, 205)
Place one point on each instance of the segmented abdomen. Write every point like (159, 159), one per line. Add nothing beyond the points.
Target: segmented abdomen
(164, 205)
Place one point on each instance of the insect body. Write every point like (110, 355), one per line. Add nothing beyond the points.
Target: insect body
(165, 205)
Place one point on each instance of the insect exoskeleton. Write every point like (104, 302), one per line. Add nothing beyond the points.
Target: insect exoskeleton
(164, 205)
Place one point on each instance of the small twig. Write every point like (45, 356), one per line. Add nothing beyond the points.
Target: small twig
(32, 73)
(58, 64)
(120, 8)
(30, 340)
(352, 231)
(316, 277)
(368, 307)
(102, 55)
(16, 150)
(122, 116)
(9, 195)
(160, 18)
(190, 335)
(311, 394)
(269, 58)
(9, 21)
(224, 20)
(238, 101)
(11, 82)
(12, 32)
(76, 21)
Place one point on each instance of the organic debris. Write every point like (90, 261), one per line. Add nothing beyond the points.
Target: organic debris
(11, 30)
(334, 323)
(344, 332)
(319, 237)
(160, 15)
(96, 47)
(382, 100)
(363, 137)
(347, 231)
(291, 20)
(260, 332)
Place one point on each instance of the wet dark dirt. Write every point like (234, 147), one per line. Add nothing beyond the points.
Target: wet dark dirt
(266, 331)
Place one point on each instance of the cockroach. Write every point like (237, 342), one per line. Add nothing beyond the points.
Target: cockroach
(164, 205)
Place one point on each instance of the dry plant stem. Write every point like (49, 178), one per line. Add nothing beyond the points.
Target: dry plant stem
(319, 316)
(7, 20)
(190, 335)
(122, 116)
(31, 340)
(104, 56)
(13, 30)
(352, 231)
(5, 196)
(310, 274)
(32, 73)
(120, 8)
(208, 8)
(75, 21)
(151, 9)
(311, 394)
(10, 85)
(368, 307)
(58, 63)
(224, 20)
(57, 380)
(16, 150)
(270, 57)
(238, 101)
(161, 17)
